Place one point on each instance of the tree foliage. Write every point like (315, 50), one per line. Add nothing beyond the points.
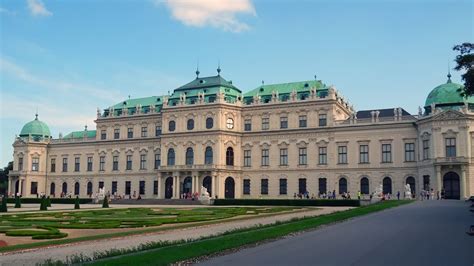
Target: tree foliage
(465, 63)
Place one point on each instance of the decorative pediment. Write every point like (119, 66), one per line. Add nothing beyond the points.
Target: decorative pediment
(283, 143)
(322, 142)
(247, 145)
(265, 144)
(448, 115)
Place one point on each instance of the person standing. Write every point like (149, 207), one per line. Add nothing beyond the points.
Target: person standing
(359, 195)
(398, 195)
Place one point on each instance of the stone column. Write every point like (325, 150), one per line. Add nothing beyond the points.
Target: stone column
(161, 191)
(175, 187)
(10, 187)
(438, 178)
(194, 186)
(214, 186)
(463, 183)
(20, 186)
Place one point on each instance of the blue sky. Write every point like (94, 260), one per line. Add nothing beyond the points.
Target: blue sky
(66, 58)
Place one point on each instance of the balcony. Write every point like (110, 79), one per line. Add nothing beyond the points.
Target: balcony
(197, 167)
(451, 160)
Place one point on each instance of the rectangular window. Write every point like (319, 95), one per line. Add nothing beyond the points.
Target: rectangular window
(342, 154)
(426, 149)
(101, 184)
(302, 185)
(89, 164)
(283, 186)
(364, 153)
(102, 163)
(264, 187)
(386, 153)
(284, 122)
(103, 135)
(450, 147)
(265, 157)
(64, 164)
(114, 187)
(35, 164)
(116, 133)
(248, 124)
(303, 156)
(284, 157)
(265, 123)
(142, 161)
(20, 164)
(53, 165)
(77, 164)
(129, 162)
(141, 189)
(34, 188)
(157, 160)
(115, 162)
(247, 158)
(302, 121)
(323, 155)
(322, 120)
(128, 187)
(409, 152)
(246, 186)
(158, 131)
(130, 132)
(144, 132)
(155, 187)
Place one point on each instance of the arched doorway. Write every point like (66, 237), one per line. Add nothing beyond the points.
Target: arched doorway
(451, 186)
(364, 186)
(342, 185)
(64, 190)
(207, 183)
(411, 181)
(187, 185)
(89, 188)
(52, 189)
(387, 185)
(169, 188)
(229, 188)
(76, 188)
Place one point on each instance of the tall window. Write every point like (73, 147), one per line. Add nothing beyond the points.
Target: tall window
(303, 156)
(322, 185)
(342, 154)
(157, 160)
(247, 158)
(142, 161)
(20, 164)
(130, 132)
(114, 187)
(302, 185)
(248, 124)
(264, 187)
(265, 123)
(77, 162)
(171, 157)
(284, 157)
(141, 188)
(157, 131)
(53, 165)
(155, 187)
(103, 135)
(76, 188)
(34, 188)
(302, 121)
(284, 122)
(190, 124)
(208, 156)
(426, 149)
(171, 126)
(409, 152)
(35, 164)
(115, 163)
(364, 186)
(102, 163)
(322, 120)
(116, 133)
(342, 185)
(246, 186)
(265, 157)
(128, 187)
(89, 188)
(89, 164)
(450, 147)
(229, 156)
(323, 155)
(129, 162)
(64, 164)
(144, 132)
(386, 153)
(189, 156)
(209, 123)
(283, 186)
(364, 153)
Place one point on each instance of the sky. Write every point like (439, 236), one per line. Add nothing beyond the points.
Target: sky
(65, 59)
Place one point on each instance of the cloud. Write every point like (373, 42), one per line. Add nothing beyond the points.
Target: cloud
(215, 13)
(37, 8)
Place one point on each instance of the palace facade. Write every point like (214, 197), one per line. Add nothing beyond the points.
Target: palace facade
(273, 141)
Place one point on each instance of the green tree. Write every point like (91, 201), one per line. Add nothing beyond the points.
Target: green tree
(3, 206)
(76, 203)
(48, 202)
(465, 62)
(4, 178)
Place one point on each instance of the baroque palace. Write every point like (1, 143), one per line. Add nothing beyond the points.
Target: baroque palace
(273, 141)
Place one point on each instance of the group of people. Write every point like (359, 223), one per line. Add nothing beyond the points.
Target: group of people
(431, 194)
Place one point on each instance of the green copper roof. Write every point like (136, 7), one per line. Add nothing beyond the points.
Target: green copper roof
(80, 134)
(35, 128)
(448, 93)
(206, 82)
(131, 104)
(284, 90)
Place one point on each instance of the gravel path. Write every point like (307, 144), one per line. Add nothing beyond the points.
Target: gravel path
(31, 257)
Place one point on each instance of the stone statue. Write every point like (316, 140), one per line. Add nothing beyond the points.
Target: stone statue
(204, 197)
(408, 194)
(378, 194)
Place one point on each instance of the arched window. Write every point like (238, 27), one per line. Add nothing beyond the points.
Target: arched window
(64, 188)
(190, 124)
(387, 185)
(52, 189)
(364, 185)
(76, 188)
(208, 156)
(189, 156)
(171, 126)
(411, 181)
(89, 188)
(209, 123)
(229, 156)
(342, 185)
(171, 157)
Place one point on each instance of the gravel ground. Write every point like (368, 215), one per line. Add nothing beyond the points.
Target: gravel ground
(31, 257)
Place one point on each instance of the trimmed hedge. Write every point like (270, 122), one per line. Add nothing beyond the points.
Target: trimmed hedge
(286, 202)
(52, 200)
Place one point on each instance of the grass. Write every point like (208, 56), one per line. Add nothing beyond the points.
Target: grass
(167, 253)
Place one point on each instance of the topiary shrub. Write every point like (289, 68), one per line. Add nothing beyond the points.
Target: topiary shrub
(48, 201)
(17, 202)
(3, 206)
(76, 204)
(44, 204)
(105, 204)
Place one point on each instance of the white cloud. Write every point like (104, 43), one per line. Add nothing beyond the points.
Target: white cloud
(37, 8)
(216, 13)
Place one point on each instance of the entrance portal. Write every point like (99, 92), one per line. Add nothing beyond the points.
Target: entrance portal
(451, 186)
(229, 188)
(169, 188)
(187, 185)
(207, 183)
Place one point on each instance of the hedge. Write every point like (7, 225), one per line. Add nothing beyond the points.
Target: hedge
(53, 200)
(286, 202)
